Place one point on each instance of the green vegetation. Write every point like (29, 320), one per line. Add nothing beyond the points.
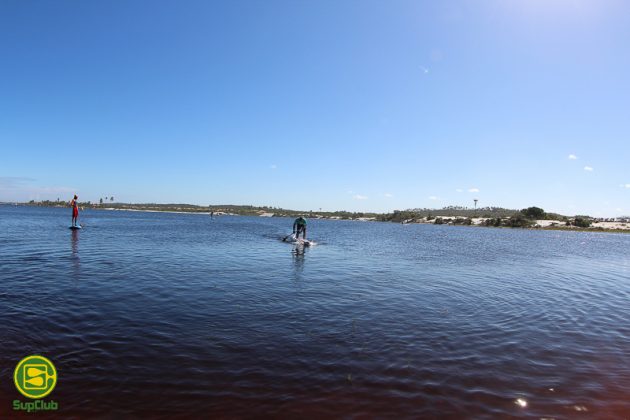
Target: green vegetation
(519, 220)
(466, 221)
(533, 213)
(400, 216)
(580, 221)
(493, 222)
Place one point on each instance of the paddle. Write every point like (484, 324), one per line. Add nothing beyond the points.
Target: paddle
(285, 238)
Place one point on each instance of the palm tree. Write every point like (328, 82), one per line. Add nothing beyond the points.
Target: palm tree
(475, 200)
(111, 199)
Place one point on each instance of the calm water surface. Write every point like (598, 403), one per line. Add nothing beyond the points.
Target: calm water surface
(174, 315)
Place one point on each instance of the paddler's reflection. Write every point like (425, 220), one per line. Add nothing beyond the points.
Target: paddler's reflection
(75, 252)
(298, 258)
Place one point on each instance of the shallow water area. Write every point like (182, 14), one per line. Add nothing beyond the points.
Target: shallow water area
(181, 315)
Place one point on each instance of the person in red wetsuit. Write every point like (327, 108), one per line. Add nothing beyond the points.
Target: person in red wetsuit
(75, 210)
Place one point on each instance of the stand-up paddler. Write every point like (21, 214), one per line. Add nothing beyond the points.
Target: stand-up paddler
(75, 210)
(299, 226)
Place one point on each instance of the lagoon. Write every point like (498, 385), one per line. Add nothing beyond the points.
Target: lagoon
(179, 315)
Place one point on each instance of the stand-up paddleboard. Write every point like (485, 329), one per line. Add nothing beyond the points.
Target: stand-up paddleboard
(292, 240)
(75, 227)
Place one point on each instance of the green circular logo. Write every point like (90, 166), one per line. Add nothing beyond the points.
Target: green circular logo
(35, 377)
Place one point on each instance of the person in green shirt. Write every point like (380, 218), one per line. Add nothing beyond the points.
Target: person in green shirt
(299, 226)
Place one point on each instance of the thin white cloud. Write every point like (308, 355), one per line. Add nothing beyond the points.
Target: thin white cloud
(388, 195)
(625, 186)
(46, 190)
(459, 190)
(273, 166)
(434, 198)
(588, 169)
(572, 157)
(424, 69)
(473, 190)
(14, 181)
(16, 188)
(359, 197)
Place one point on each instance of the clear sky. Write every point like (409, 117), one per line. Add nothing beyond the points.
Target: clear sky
(343, 104)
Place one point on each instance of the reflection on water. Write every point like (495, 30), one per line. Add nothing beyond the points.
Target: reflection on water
(298, 252)
(75, 242)
(181, 316)
(76, 261)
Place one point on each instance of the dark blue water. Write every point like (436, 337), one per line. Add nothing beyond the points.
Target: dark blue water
(175, 315)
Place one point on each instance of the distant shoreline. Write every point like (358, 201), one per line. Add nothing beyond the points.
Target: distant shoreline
(596, 225)
(557, 225)
(167, 211)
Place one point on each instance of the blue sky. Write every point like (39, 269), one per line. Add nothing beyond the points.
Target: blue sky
(358, 105)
